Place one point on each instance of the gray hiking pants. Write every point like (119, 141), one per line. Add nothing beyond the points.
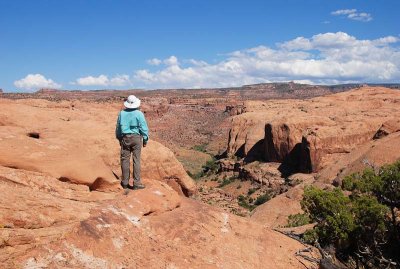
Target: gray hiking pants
(131, 144)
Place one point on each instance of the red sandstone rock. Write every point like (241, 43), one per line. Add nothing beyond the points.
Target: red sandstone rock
(275, 212)
(75, 142)
(51, 224)
(306, 133)
(52, 216)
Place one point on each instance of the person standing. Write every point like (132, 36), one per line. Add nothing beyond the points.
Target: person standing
(133, 133)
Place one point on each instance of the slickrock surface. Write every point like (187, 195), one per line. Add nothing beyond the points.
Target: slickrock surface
(75, 142)
(53, 224)
(61, 206)
(308, 135)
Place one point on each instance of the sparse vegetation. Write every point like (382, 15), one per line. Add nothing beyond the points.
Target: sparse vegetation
(363, 226)
(262, 199)
(210, 166)
(252, 190)
(250, 203)
(243, 202)
(227, 181)
(201, 147)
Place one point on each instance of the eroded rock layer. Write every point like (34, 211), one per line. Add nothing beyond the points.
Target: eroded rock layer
(306, 135)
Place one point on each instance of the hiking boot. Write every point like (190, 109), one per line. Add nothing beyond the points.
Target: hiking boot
(139, 186)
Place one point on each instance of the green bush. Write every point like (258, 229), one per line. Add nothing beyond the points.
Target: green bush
(210, 166)
(243, 202)
(310, 236)
(363, 225)
(262, 199)
(330, 209)
(299, 219)
(252, 190)
(201, 147)
(227, 181)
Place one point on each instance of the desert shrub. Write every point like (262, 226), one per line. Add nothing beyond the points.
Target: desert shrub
(210, 166)
(330, 209)
(299, 219)
(363, 225)
(201, 147)
(224, 183)
(310, 236)
(262, 199)
(195, 176)
(243, 202)
(227, 181)
(252, 190)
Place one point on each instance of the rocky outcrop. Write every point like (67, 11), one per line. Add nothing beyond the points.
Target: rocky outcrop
(275, 212)
(388, 127)
(372, 154)
(75, 142)
(306, 135)
(264, 173)
(47, 223)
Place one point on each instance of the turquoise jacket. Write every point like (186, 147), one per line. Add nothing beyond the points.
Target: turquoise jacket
(131, 121)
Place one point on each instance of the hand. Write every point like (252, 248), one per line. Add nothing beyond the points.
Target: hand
(144, 145)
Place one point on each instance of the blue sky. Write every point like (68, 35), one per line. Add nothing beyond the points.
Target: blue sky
(98, 44)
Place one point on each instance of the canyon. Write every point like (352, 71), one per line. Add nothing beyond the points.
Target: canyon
(62, 205)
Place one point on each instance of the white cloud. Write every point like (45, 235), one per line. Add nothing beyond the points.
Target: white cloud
(344, 12)
(321, 59)
(36, 81)
(171, 61)
(154, 61)
(119, 80)
(326, 58)
(103, 80)
(353, 14)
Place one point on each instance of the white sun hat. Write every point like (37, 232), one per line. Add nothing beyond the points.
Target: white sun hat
(132, 102)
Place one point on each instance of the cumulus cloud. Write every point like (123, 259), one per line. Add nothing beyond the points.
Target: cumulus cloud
(353, 14)
(326, 58)
(154, 61)
(171, 61)
(103, 80)
(34, 82)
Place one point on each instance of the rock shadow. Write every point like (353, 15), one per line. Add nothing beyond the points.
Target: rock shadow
(256, 153)
(297, 161)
